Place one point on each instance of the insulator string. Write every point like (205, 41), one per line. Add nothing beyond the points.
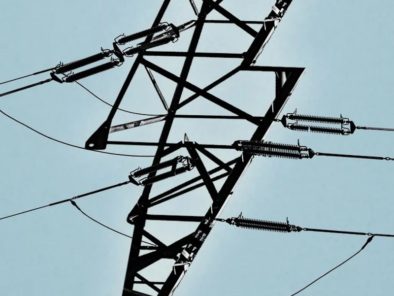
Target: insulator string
(318, 129)
(269, 149)
(312, 118)
(347, 126)
(171, 34)
(266, 225)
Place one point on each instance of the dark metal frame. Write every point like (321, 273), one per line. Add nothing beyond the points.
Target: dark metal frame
(183, 250)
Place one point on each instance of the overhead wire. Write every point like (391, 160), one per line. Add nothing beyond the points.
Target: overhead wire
(151, 114)
(167, 32)
(65, 200)
(286, 227)
(66, 143)
(334, 268)
(374, 128)
(25, 87)
(72, 201)
(25, 76)
(110, 105)
(106, 226)
(103, 225)
(371, 157)
(96, 221)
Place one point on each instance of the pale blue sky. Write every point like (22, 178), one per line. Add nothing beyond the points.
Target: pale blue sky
(346, 48)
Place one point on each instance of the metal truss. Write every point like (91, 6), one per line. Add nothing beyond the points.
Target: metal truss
(218, 179)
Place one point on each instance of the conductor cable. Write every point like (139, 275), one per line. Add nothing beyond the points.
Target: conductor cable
(66, 200)
(334, 268)
(66, 143)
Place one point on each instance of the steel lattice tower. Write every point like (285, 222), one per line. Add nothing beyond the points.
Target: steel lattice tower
(182, 156)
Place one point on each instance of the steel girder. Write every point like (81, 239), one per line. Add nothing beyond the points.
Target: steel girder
(218, 179)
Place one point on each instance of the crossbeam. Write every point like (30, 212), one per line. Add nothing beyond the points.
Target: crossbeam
(214, 177)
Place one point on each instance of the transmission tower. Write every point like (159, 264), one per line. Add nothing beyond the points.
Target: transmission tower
(184, 166)
(186, 154)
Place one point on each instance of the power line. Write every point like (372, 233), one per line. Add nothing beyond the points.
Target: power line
(256, 224)
(77, 82)
(372, 157)
(188, 246)
(96, 221)
(166, 33)
(334, 268)
(106, 226)
(25, 87)
(103, 225)
(66, 143)
(110, 105)
(374, 128)
(66, 200)
(72, 201)
(25, 76)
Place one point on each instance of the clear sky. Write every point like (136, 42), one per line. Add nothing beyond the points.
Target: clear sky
(346, 48)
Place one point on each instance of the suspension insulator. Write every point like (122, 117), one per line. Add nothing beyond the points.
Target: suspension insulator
(185, 163)
(347, 126)
(133, 124)
(172, 173)
(168, 163)
(124, 39)
(312, 118)
(91, 71)
(319, 129)
(82, 62)
(270, 149)
(262, 224)
(130, 51)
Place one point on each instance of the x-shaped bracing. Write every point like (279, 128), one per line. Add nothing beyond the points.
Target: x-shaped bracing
(216, 175)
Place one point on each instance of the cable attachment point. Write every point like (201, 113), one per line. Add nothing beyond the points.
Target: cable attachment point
(177, 165)
(74, 203)
(291, 121)
(269, 149)
(280, 7)
(172, 32)
(118, 53)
